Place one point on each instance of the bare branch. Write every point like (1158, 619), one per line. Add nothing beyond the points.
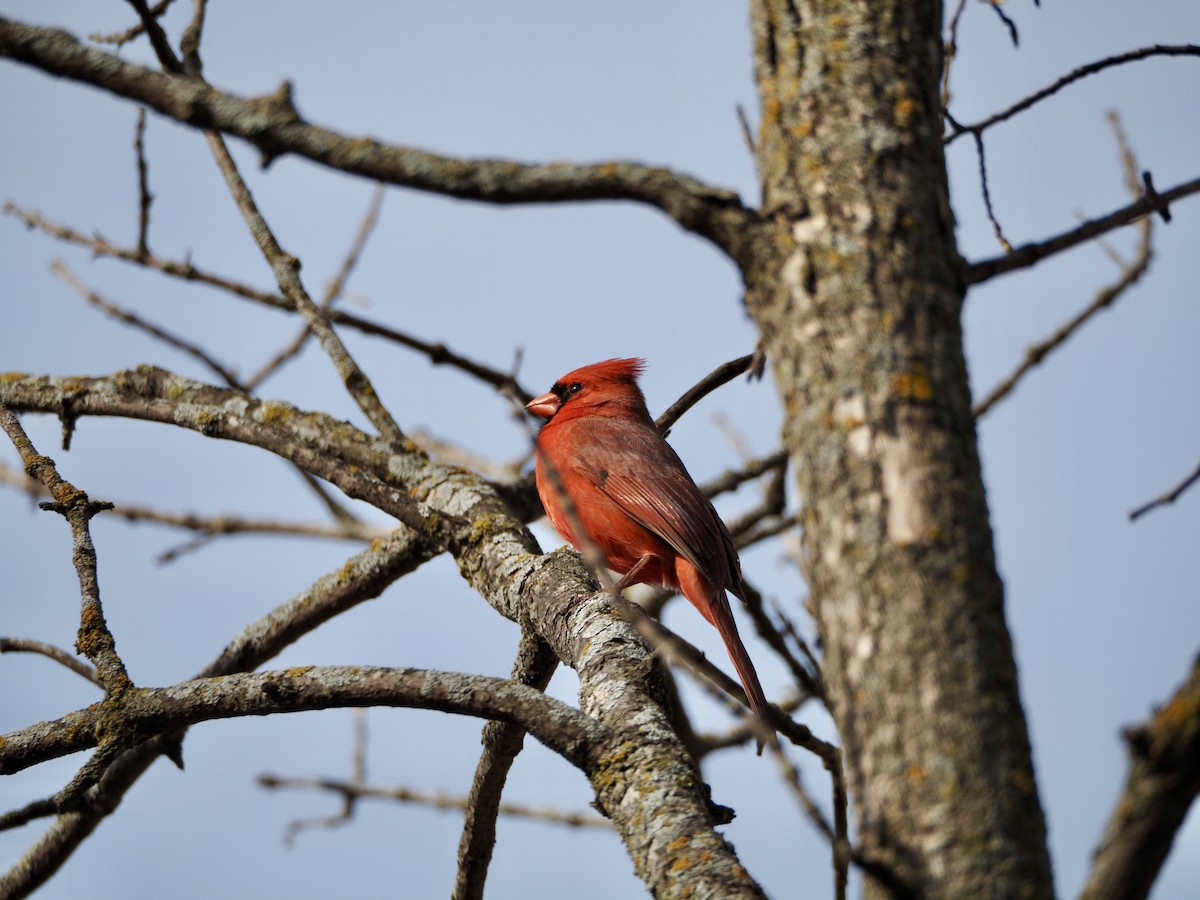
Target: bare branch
(436, 800)
(438, 353)
(287, 275)
(1164, 778)
(273, 124)
(731, 479)
(349, 790)
(185, 270)
(949, 52)
(721, 375)
(145, 198)
(349, 525)
(987, 196)
(121, 38)
(223, 523)
(60, 656)
(807, 680)
(94, 640)
(1029, 254)
(1166, 499)
(189, 43)
(150, 712)
(747, 132)
(1008, 23)
(227, 375)
(1130, 275)
(502, 741)
(38, 809)
(158, 38)
(1070, 78)
(332, 291)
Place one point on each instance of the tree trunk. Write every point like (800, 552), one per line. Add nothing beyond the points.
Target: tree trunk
(857, 287)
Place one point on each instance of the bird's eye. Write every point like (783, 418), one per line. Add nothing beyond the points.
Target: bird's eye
(574, 388)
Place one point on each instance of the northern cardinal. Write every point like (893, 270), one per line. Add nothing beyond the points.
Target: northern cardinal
(635, 500)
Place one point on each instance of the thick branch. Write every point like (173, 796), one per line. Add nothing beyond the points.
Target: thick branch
(150, 712)
(272, 124)
(1164, 778)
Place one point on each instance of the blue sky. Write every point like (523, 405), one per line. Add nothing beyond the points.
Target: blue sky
(1103, 613)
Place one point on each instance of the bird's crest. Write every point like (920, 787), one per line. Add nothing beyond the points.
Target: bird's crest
(610, 371)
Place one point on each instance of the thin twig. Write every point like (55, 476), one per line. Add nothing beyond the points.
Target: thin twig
(731, 479)
(807, 679)
(1166, 499)
(721, 375)
(1030, 254)
(1009, 23)
(790, 774)
(63, 271)
(212, 526)
(747, 133)
(987, 195)
(1070, 78)
(145, 198)
(350, 790)
(121, 38)
(788, 628)
(434, 799)
(705, 743)
(950, 50)
(60, 656)
(333, 290)
(186, 270)
(287, 274)
(1130, 275)
(348, 521)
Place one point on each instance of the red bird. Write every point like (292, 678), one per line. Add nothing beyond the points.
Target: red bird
(635, 500)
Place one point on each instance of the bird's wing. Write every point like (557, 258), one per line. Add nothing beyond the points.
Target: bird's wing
(632, 465)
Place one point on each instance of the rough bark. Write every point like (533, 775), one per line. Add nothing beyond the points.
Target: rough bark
(857, 287)
(1163, 781)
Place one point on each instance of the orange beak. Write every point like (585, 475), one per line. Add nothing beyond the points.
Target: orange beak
(544, 406)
